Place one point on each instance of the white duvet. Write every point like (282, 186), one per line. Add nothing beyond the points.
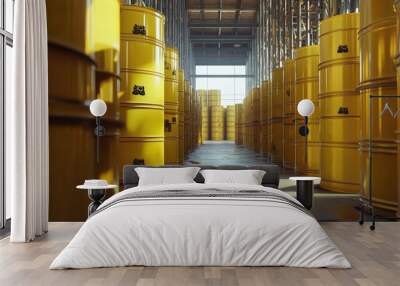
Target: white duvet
(200, 231)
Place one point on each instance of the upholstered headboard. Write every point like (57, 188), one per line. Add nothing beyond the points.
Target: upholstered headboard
(270, 179)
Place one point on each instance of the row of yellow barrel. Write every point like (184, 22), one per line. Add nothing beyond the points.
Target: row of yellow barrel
(192, 121)
(159, 107)
(217, 122)
(351, 79)
(211, 114)
(230, 123)
(142, 104)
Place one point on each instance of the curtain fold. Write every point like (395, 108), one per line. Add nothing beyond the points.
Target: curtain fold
(27, 144)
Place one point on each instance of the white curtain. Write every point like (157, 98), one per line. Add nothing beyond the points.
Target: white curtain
(27, 148)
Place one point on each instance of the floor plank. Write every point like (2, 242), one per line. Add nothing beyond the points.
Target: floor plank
(375, 257)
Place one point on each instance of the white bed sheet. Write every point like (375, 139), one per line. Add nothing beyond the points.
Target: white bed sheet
(200, 232)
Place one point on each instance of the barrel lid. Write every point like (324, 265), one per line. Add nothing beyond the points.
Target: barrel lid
(339, 22)
(277, 70)
(288, 62)
(146, 10)
(306, 51)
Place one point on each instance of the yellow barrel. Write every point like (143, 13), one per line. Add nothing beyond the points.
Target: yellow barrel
(236, 124)
(198, 122)
(289, 115)
(107, 78)
(142, 80)
(276, 119)
(217, 123)
(244, 121)
(230, 123)
(307, 147)
(188, 117)
(181, 115)
(339, 75)
(204, 115)
(214, 97)
(250, 120)
(71, 74)
(239, 124)
(377, 38)
(256, 119)
(195, 101)
(203, 95)
(264, 97)
(171, 101)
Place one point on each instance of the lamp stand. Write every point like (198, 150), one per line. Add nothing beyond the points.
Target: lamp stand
(306, 140)
(99, 131)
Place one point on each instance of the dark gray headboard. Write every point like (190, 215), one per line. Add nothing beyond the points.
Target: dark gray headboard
(270, 179)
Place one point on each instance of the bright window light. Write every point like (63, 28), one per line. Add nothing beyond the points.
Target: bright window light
(232, 88)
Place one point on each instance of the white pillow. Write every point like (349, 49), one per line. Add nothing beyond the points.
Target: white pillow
(166, 176)
(248, 177)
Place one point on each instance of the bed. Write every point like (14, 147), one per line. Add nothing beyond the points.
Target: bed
(199, 224)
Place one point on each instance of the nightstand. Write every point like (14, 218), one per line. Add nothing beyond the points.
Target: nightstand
(305, 190)
(96, 191)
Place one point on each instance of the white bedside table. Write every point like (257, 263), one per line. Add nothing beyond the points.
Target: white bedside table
(96, 192)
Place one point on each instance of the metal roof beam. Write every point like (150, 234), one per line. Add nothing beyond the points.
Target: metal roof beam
(227, 39)
(236, 25)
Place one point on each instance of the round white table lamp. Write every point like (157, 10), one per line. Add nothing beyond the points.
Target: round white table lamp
(305, 107)
(98, 107)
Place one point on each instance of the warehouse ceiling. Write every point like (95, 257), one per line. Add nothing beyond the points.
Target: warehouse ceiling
(221, 30)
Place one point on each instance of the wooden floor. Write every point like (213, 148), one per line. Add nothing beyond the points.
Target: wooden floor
(375, 257)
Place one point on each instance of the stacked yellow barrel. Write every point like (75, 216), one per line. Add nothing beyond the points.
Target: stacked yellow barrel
(214, 97)
(307, 147)
(217, 123)
(230, 123)
(216, 115)
(171, 101)
(264, 112)
(181, 115)
(188, 117)
(239, 114)
(203, 94)
(142, 80)
(377, 37)
(195, 102)
(249, 127)
(276, 119)
(244, 121)
(289, 115)
(339, 74)
(256, 119)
